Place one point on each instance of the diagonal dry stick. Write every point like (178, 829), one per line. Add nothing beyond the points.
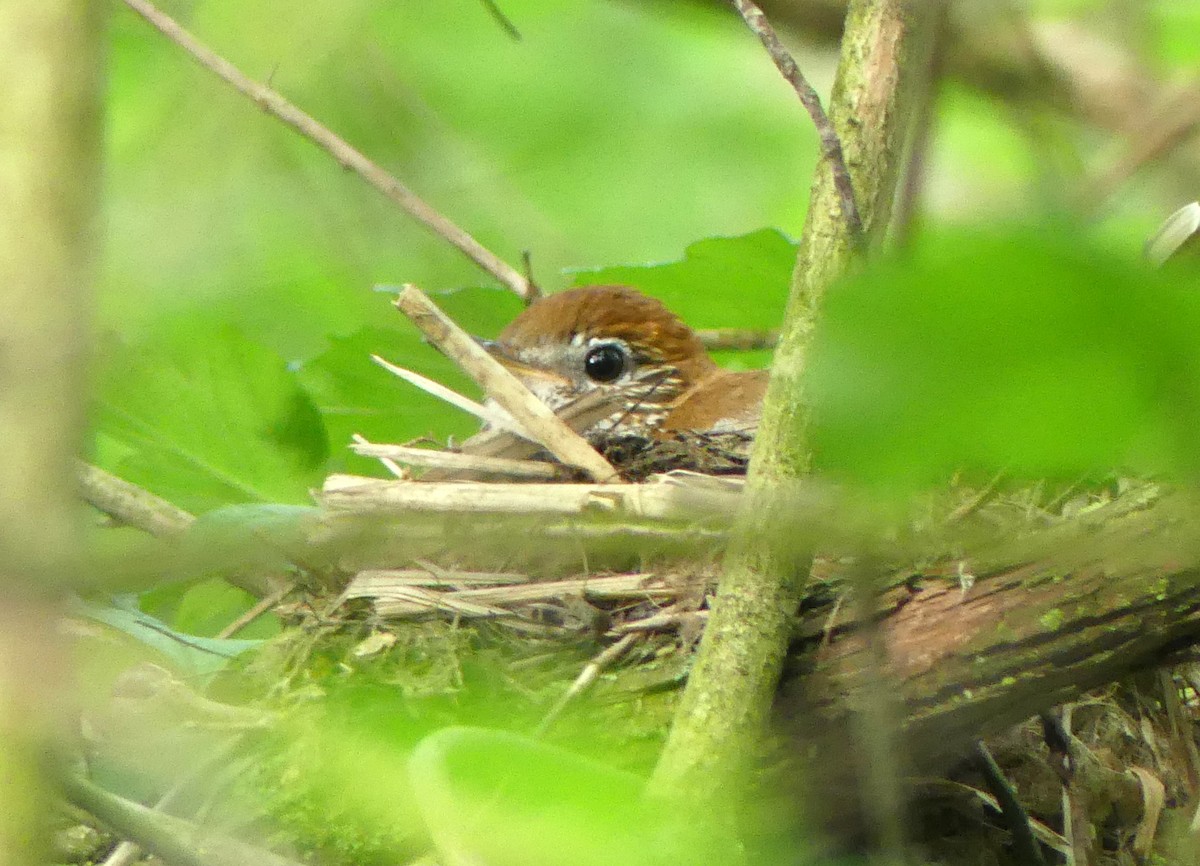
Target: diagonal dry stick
(532, 414)
(130, 504)
(831, 145)
(275, 105)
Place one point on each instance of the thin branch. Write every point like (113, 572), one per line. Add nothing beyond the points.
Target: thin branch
(831, 144)
(586, 678)
(502, 386)
(725, 708)
(346, 156)
(664, 499)
(176, 841)
(503, 20)
(130, 504)
(738, 339)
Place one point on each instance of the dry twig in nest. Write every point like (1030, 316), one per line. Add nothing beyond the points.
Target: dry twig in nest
(534, 416)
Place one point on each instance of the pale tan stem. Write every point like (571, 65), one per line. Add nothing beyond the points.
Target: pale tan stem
(502, 386)
(51, 85)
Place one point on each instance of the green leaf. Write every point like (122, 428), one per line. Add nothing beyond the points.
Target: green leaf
(496, 797)
(355, 395)
(204, 417)
(736, 282)
(1031, 352)
(204, 608)
(187, 654)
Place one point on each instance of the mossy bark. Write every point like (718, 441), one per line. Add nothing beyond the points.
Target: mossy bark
(1032, 632)
(724, 710)
(50, 90)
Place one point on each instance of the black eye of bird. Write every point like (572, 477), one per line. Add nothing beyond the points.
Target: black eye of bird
(605, 363)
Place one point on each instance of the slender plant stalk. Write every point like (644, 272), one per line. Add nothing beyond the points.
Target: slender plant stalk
(50, 90)
(275, 105)
(723, 713)
(831, 143)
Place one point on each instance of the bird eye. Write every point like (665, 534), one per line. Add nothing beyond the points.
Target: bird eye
(605, 363)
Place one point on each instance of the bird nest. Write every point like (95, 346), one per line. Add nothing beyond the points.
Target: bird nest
(592, 595)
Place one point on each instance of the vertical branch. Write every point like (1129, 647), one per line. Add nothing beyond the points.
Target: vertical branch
(724, 709)
(50, 89)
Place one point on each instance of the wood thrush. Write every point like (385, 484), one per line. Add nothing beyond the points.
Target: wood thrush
(617, 340)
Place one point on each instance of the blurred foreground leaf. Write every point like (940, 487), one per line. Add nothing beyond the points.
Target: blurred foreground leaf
(204, 417)
(495, 797)
(186, 654)
(1024, 352)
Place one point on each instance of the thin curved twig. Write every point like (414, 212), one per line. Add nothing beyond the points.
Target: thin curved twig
(831, 144)
(346, 156)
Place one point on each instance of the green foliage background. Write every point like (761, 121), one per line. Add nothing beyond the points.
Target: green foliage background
(237, 296)
(642, 142)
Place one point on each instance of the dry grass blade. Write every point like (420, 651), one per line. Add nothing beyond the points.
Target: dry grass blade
(502, 386)
(1048, 837)
(1178, 230)
(398, 595)
(383, 577)
(1154, 795)
(661, 621)
(492, 417)
(407, 601)
(587, 676)
(737, 339)
(579, 415)
(457, 462)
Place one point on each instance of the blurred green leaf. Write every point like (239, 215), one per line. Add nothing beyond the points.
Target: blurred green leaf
(495, 797)
(1030, 351)
(1178, 32)
(204, 608)
(204, 417)
(187, 654)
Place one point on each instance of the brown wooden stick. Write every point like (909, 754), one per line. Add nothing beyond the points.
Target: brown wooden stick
(502, 386)
(348, 157)
(1030, 633)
